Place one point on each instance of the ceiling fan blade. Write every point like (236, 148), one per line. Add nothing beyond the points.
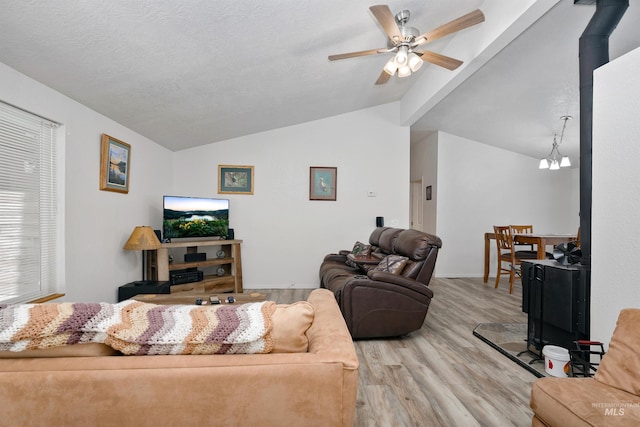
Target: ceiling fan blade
(356, 54)
(441, 60)
(384, 77)
(385, 17)
(465, 21)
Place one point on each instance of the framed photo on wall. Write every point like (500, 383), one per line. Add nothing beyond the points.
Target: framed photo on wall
(115, 163)
(235, 179)
(323, 183)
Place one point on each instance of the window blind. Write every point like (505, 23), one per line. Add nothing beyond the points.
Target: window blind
(27, 205)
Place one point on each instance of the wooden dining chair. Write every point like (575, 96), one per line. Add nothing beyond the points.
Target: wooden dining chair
(521, 229)
(508, 255)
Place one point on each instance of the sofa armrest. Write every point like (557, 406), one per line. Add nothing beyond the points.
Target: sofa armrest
(377, 308)
(394, 279)
(339, 258)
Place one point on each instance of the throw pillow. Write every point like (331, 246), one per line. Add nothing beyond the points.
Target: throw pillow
(392, 264)
(360, 250)
(290, 324)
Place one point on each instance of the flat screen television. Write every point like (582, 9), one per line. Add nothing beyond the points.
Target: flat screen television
(184, 217)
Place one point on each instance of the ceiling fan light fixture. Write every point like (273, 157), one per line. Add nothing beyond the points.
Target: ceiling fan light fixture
(391, 67)
(401, 56)
(415, 62)
(404, 71)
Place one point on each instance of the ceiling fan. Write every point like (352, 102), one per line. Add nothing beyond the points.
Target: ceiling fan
(403, 41)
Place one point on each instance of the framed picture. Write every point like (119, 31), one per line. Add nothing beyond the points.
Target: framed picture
(427, 192)
(115, 162)
(235, 179)
(322, 183)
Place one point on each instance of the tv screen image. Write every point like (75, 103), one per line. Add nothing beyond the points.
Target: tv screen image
(194, 217)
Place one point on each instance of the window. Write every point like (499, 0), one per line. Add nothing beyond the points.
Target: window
(27, 206)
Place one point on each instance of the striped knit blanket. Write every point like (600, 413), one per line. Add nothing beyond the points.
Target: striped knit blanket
(138, 328)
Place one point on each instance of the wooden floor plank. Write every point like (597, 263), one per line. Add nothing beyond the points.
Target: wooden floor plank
(442, 375)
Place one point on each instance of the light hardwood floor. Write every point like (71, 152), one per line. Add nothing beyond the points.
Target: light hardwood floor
(442, 375)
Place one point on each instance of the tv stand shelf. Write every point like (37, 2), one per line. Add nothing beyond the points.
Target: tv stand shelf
(231, 281)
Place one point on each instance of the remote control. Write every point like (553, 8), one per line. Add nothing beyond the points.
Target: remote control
(214, 299)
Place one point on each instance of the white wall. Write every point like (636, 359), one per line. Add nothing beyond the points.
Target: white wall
(479, 186)
(615, 270)
(96, 223)
(285, 234)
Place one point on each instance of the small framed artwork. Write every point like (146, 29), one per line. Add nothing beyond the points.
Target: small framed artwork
(235, 179)
(322, 183)
(427, 192)
(115, 163)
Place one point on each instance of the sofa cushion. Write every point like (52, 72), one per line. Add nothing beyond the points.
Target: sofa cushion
(392, 264)
(582, 402)
(415, 244)
(290, 325)
(388, 239)
(90, 349)
(620, 366)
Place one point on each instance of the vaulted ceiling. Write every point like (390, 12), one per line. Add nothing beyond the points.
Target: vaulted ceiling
(191, 72)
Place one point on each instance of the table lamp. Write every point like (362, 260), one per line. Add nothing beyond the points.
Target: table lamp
(143, 238)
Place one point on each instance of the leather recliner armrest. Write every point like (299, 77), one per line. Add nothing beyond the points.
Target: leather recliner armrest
(383, 276)
(335, 258)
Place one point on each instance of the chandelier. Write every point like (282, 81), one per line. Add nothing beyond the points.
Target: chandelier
(555, 160)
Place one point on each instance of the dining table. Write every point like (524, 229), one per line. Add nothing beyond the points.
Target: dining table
(541, 241)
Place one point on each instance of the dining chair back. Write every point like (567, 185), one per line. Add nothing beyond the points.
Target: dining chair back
(521, 229)
(508, 255)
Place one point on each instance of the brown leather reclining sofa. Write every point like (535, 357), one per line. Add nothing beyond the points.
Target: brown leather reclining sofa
(378, 304)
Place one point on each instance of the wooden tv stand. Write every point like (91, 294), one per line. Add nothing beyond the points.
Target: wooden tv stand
(158, 265)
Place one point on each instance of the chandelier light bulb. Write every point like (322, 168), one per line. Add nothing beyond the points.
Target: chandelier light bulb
(565, 162)
(554, 165)
(544, 164)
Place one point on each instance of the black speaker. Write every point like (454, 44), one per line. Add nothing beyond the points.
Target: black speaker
(200, 256)
(231, 235)
(379, 221)
(158, 234)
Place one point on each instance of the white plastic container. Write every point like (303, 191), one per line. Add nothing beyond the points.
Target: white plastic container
(556, 360)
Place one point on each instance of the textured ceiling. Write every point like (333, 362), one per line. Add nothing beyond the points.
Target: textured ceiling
(187, 72)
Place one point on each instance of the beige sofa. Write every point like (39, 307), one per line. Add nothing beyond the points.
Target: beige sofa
(315, 388)
(610, 398)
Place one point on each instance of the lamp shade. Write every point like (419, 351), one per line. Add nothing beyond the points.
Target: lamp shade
(404, 71)
(390, 67)
(142, 238)
(415, 62)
